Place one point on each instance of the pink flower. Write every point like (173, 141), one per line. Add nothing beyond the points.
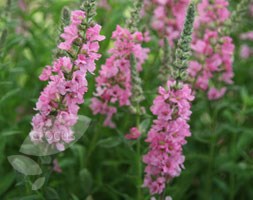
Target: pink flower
(213, 54)
(134, 134)
(46, 73)
(62, 64)
(56, 166)
(214, 94)
(113, 85)
(59, 102)
(93, 33)
(245, 51)
(70, 35)
(104, 4)
(77, 17)
(167, 136)
(168, 18)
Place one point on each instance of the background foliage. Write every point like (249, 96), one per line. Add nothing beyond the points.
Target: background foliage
(219, 155)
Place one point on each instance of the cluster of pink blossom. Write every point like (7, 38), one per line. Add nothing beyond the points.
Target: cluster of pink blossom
(168, 17)
(211, 67)
(58, 103)
(167, 136)
(113, 85)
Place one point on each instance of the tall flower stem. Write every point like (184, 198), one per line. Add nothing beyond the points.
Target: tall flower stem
(138, 159)
(137, 93)
(211, 151)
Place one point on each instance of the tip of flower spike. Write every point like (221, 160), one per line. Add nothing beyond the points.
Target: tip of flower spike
(65, 15)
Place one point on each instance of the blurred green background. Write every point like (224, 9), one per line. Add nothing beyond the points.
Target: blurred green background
(219, 155)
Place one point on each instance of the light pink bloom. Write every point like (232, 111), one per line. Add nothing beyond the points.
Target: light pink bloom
(134, 134)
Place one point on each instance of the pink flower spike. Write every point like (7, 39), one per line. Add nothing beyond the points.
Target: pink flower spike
(60, 100)
(166, 138)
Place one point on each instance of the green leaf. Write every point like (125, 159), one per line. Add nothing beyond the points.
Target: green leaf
(144, 125)
(38, 183)
(74, 197)
(31, 197)
(109, 142)
(6, 181)
(10, 133)
(24, 165)
(8, 95)
(51, 194)
(86, 180)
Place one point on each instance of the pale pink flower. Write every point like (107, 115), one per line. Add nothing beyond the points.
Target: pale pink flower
(134, 134)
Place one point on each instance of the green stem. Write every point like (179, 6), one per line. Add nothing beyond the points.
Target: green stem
(138, 158)
(92, 146)
(211, 152)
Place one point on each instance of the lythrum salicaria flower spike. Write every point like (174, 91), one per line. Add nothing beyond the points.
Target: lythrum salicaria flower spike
(237, 16)
(118, 80)
(210, 69)
(164, 159)
(183, 50)
(168, 18)
(59, 102)
(166, 67)
(137, 91)
(114, 83)
(65, 20)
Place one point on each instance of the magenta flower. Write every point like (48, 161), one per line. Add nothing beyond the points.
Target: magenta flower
(167, 135)
(59, 102)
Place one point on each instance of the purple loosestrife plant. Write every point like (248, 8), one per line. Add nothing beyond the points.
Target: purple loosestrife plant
(59, 101)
